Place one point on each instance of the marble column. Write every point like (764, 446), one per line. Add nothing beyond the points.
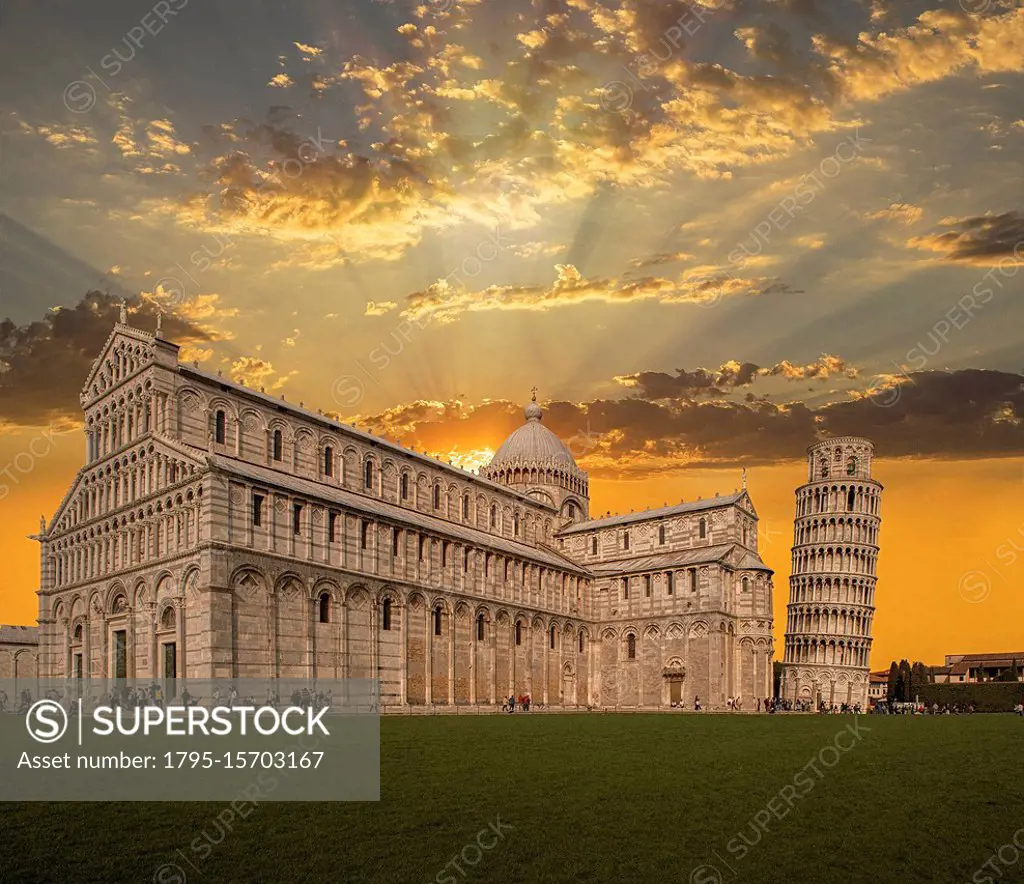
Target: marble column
(429, 667)
(451, 657)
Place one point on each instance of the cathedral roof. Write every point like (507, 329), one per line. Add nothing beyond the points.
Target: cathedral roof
(355, 503)
(533, 443)
(325, 420)
(660, 512)
(683, 558)
(19, 635)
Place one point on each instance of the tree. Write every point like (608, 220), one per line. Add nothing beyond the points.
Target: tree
(1011, 674)
(905, 682)
(894, 680)
(921, 675)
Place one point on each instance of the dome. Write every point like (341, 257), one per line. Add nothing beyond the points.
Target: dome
(533, 443)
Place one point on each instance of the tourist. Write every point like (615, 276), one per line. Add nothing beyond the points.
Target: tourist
(696, 704)
(26, 702)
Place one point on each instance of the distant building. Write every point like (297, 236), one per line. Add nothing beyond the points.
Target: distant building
(878, 685)
(970, 668)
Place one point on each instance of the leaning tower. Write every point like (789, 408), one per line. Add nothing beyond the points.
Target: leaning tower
(832, 587)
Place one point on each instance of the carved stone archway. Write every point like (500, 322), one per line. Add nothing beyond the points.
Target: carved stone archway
(673, 676)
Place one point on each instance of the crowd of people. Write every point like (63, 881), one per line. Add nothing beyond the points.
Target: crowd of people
(153, 695)
(780, 704)
(898, 708)
(24, 702)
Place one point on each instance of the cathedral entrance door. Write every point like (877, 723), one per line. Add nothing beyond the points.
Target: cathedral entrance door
(675, 691)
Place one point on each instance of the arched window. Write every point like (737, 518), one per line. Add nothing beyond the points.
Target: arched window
(494, 515)
(278, 445)
(850, 501)
(220, 427)
(693, 580)
(824, 469)
(405, 486)
(515, 524)
(78, 633)
(328, 461)
(581, 642)
(593, 545)
(572, 510)
(661, 534)
(437, 621)
(851, 467)
(551, 637)
(437, 497)
(325, 607)
(625, 540)
(519, 633)
(703, 528)
(368, 473)
(746, 585)
(480, 627)
(386, 615)
(465, 506)
(631, 646)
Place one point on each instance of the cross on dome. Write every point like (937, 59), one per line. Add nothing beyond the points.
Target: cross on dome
(533, 410)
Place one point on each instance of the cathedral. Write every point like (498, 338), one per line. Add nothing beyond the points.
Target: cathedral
(217, 532)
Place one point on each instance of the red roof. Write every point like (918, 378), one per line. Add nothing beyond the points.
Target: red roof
(995, 659)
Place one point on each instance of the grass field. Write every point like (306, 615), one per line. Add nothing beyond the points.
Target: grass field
(591, 798)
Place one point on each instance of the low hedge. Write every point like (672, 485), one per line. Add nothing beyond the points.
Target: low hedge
(989, 696)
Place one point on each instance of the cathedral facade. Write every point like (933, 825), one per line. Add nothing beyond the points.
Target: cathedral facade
(217, 532)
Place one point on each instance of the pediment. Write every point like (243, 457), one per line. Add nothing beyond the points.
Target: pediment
(182, 454)
(126, 351)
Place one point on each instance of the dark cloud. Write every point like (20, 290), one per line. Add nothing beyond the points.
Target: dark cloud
(982, 240)
(44, 364)
(716, 382)
(946, 415)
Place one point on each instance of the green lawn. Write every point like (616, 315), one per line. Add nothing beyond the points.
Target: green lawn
(594, 798)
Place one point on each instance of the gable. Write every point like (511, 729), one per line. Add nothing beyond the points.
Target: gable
(64, 519)
(126, 352)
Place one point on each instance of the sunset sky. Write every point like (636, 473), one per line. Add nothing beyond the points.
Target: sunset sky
(707, 231)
